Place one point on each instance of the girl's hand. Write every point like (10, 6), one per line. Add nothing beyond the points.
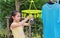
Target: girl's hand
(30, 16)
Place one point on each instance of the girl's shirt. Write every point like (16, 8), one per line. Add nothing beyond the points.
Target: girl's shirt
(18, 32)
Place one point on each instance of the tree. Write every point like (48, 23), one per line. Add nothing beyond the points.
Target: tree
(17, 5)
(6, 6)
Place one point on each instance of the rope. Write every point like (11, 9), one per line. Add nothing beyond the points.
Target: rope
(32, 2)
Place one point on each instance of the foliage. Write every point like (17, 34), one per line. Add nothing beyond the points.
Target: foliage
(6, 6)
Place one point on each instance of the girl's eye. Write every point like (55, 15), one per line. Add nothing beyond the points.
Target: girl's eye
(18, 16)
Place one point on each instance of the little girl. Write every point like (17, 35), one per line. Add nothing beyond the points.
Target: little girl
(17, 26)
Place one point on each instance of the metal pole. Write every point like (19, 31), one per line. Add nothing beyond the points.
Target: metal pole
(30, 31)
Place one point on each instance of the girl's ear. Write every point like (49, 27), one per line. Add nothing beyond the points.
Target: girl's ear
(12, 17)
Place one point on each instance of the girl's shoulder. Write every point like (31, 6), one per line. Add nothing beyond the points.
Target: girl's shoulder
(16, 23)
(13, 24)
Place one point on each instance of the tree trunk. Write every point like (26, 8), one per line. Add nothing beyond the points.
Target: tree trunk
(17, 5)
(8, 34)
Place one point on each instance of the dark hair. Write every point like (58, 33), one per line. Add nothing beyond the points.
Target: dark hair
(12, 14)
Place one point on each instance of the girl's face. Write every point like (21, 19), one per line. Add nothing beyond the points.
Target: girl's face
(17, 17)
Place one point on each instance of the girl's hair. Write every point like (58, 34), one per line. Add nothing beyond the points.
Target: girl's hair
(12, 14)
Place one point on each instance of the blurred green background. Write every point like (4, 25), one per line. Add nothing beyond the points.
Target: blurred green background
(6, 6)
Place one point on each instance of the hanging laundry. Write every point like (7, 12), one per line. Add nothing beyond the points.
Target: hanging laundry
(50, 15)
